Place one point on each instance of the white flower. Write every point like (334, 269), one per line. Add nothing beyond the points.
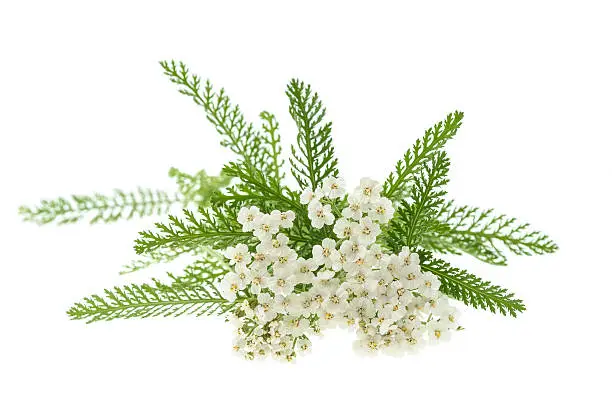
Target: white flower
(284, 219)
(248, 217)
(368, 191)
(355, 208)
(274, 246)
(238, 255)
(230, 285)
(337, 302)
(374, 255)
(352, 250)
(258, 278)
(429, 285)
(283, 282)
(368, 231)
(345, 229)
(382, 210)
(304, 269)
(320, 214)
(303, 345)
(265, 309)
(285, 261)
(308, 195)
(333, 187)
(322, 254)
(392, 265)
(265, 227)
(438, 331)
(261, 259)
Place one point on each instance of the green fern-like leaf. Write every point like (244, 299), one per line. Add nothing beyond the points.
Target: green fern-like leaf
(99, 208)
(443, 242)
(397, 184)
(272, 138)
(240, 136)
(414, 219)
(471, 289)
(216, 227)
(313, 157)
(151, 300)
(210, 265)
(198, 188)
(256, 189)
(482, 234)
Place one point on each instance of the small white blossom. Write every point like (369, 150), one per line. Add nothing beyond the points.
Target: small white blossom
(367, 231)
(265, 227)
(345, 229)
(238, 255)
(230, 285)
(355, 208)
(381, 210)
(285, 219)
(322, 254)
(333, 187)
(308, 195)
(368, 191)
(320, 214)
(248, 217)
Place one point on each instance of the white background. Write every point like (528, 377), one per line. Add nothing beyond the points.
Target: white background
(84, 107)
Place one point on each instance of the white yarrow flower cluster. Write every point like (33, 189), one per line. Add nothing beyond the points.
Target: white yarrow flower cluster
(350, 282)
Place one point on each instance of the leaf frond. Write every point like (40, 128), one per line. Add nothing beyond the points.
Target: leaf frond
(471, 289)
(99, 208)
(216, 227)
(414, 219)
(397, 184)
(151, 300)
(312, 157)
(482, 233)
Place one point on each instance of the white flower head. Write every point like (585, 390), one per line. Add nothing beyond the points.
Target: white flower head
(352, 250)
(230, 285)
(333, 188)
(248, 217)
(284, 219)
(355, 208)
(367, 231)
(283, 282)
(382, 210)
(368, 190)
(238, 255)
(265, 227)
(320, 214)
(326, 254)
(345, 229)
(308, 195)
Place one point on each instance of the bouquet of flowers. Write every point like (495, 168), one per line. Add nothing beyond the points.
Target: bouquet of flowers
(283, 263)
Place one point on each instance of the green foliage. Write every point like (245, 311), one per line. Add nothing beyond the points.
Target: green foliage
(255, 189)
(239, 136)
(198, 188)
(99, 208)
(151, 300)
(121, 205)
(209, 265)
(470, 289)
(416, 218)
(272, 138)
(397, 184)
(216, 227)
(313, 159)
(422, 221)
(481, 233)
